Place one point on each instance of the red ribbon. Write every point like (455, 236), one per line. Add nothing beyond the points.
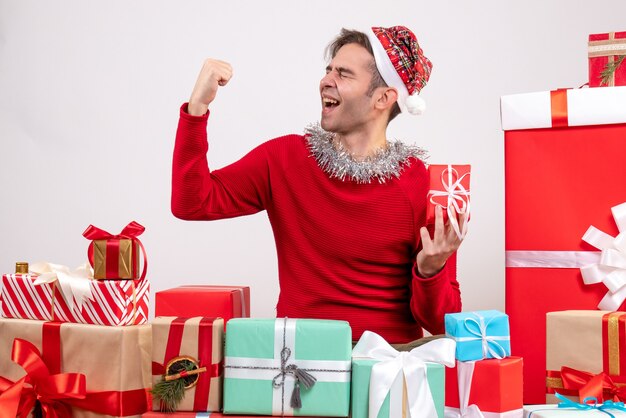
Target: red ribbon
(58, 392)
(130, 231)
(600, 386)
(558, 107)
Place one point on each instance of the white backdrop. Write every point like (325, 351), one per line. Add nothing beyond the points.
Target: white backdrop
(90, 92)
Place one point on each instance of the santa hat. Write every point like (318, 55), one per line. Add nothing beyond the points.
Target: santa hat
(402, 64)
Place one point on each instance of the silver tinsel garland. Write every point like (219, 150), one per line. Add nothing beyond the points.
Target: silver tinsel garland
(337, 162)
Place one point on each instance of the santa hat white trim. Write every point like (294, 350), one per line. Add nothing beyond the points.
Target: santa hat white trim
(393, 80)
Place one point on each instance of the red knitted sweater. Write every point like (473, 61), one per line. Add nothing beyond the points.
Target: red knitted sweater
(345, 250)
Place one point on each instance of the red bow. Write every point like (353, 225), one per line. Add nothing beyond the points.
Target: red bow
(130, 231)
(52, 391)
(600, 386)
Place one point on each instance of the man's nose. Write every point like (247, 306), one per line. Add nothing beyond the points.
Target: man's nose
(328, 80)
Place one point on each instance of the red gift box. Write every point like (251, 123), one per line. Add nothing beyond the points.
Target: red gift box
(558, 182)
(196, 415)
(449, 187)
(606, 49)
(200, 340)
(204, 300)
(113, 302)
(495, 386)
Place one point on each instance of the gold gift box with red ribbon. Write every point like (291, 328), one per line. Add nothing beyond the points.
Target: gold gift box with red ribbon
(116, 256)
(74, 370)
(586, 355)
(200, 340)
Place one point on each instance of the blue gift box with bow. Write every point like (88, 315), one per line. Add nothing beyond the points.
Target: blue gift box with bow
(479, 335)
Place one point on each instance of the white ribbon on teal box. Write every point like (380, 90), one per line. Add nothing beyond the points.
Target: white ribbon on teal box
(479, 335)
(266, 360)
(387, 383)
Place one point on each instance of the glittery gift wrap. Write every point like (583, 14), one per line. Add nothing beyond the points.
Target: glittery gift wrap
(496, 387)
(361, 372)
(201, 339)
(114, 302)
(126, 257)
(564, 171)
(112, 359)
(254, 349)
(603, 49)
(479, 335)
(204, 300)
(590, 343)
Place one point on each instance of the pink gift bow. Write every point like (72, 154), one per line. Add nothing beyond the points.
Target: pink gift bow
(455, 192)
(411, 364)
(611, 268)
(75, 285)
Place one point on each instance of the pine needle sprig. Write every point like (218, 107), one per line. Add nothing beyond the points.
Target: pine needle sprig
(610, 69)
(171, 393)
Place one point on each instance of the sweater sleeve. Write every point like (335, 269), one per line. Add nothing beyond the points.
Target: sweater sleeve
(433, 297)
(198, 193)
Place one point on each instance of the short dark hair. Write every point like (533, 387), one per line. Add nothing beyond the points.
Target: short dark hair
(349, 36)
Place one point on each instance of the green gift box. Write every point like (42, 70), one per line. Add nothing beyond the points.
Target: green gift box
(287, 367)
(389, 381)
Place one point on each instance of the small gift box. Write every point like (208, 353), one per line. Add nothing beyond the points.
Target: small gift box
(586, 355)
(77, 370)
(189, 349)
(492, 387)
(116, 256)
(52, 292)
(204, 300)
(287, 367)
(479, 335)
(607, 53)
(449, 188)
(387, 383)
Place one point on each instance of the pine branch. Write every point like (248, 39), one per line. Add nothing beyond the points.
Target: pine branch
(170, 393)
(610, 69)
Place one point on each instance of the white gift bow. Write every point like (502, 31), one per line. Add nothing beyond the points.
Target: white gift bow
(74, 284)
(411, 364)
(455, 192)
(611, 269)
(481, 334)
(465, 373)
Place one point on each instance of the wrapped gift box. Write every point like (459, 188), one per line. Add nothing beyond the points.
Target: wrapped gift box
(479, 335)
(194, 415)
(204, 300)
(449, 187)
(553, 411)
(115, 362)
(387, 383)
(563, 153)
(256, 381)
(494, 386)
(201, 339)
(599, 339)
(607, 49)
(113, 302)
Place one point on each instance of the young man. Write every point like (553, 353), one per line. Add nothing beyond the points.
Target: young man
(348, 223)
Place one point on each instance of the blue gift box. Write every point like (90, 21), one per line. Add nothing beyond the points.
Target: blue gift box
(479, 335)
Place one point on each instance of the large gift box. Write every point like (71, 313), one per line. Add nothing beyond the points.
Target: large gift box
(493, 387)
(479, 335)
(196, 342)
(606, 53)
(586, 355)
(287, 367)
(387, 383)
(564, 171)
(104, 371)
(204, 300)
(449, 187)
(58, 296)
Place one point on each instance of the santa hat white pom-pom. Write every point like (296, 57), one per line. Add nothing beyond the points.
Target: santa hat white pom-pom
(415, 104)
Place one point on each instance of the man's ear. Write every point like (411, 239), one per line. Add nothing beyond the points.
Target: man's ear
(387, 98)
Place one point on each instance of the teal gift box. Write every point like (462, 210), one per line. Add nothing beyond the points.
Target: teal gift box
(396, 399)
(479, 335)
(287, 367)
(388, 383)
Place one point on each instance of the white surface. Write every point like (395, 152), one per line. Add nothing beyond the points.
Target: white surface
(90, 91)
